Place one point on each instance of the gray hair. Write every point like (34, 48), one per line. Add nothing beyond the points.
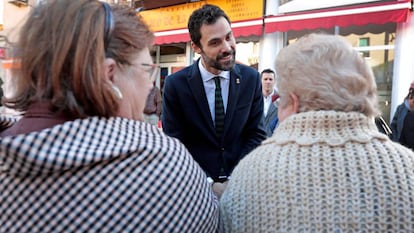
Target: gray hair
(326, 73)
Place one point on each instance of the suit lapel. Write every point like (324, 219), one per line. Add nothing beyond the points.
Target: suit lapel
(272, 109)
(195, 83)
(234, 90)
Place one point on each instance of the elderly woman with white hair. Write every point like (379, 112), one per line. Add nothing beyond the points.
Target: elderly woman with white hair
(326, 168)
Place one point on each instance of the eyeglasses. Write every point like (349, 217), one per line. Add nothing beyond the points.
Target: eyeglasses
(152, 70)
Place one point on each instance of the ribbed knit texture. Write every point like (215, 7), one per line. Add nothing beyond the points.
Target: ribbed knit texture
(322, 171)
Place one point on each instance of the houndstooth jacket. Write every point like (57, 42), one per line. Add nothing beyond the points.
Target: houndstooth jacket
(102, 175)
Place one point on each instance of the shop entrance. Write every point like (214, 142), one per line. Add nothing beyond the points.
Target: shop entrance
(171, 58)
(376, 44)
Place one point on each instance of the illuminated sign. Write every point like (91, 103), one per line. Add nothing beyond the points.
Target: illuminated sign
(176, 17)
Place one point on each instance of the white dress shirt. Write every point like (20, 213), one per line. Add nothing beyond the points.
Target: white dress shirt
(267, 101)
(210, 86)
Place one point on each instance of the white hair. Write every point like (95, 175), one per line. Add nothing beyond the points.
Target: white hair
(326, 73)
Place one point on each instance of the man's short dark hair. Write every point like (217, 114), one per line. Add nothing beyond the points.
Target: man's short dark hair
(268, 71)
(207, 14)
(410, 93)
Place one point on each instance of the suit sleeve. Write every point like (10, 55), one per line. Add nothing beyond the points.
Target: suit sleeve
(254, 130)
(394, 123)
(171, 110)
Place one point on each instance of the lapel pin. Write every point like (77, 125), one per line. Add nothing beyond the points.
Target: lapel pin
(237, 81)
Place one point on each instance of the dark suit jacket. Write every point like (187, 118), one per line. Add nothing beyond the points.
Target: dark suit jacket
(186, 116)
(271, 117)
(397, 122)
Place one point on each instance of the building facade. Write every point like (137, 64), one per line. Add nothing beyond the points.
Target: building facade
(381, 30)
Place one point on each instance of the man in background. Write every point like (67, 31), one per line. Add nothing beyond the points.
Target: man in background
(269, 97)
(153, 106)
(402, 124)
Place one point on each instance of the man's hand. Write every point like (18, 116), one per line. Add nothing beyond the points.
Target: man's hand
(218, 188)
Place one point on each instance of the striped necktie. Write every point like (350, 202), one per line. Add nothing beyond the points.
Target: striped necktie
(219, 108)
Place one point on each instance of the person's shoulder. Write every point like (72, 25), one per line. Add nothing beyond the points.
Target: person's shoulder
(183, 73)
(246, 73)
(8, 118)
(251, 78)
(147, 136)
(404, 154)
(401, 108)
(402, 105)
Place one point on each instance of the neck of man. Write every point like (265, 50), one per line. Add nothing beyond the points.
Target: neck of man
(267, 93)
(209, 68)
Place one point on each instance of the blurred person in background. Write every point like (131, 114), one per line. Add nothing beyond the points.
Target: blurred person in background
(81, 159)
(1, 90)
(268, 77)
(402, 124)
(326, 168)
(153, 106)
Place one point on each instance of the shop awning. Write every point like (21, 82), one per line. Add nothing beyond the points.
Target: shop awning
(240, 29)
(306, 5)
(378, 13)
(172, 36)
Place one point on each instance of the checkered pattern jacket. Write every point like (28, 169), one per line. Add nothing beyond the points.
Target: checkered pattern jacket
(102, 175)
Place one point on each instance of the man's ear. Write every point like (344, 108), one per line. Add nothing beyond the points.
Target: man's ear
(195, 48)
(110, 66)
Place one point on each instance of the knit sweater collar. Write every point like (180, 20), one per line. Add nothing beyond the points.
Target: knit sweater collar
(330, 127)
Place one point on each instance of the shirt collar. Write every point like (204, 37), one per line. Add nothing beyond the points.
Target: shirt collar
(206, 75)
(270, 95)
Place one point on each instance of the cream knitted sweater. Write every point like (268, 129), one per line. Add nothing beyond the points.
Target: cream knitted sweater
(322, 171)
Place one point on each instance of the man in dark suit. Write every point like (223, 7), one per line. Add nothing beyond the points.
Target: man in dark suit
(269, 97)
(189, 98)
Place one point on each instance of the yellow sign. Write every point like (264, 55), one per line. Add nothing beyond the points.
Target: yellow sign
(1, 27)
(176, 17)
(238, 10)
(172, 17)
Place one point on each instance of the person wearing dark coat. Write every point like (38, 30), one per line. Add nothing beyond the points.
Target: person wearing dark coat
(402, 125)
(214, 106)
(269, 97)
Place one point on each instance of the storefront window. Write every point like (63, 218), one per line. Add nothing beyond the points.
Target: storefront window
(376, 45)
(364, 42)
(248, 53)
(171, 58)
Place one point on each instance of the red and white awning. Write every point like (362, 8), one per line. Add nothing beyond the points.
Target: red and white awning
(172, 36)
(240, 29)
(378, 13)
